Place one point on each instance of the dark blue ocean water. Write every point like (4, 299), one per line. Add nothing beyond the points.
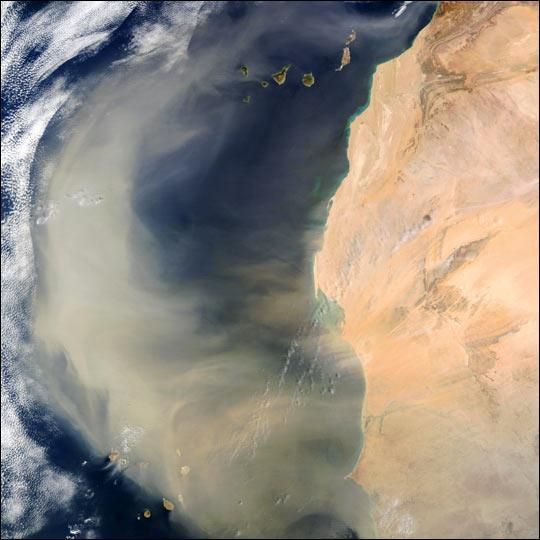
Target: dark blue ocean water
(251, 191)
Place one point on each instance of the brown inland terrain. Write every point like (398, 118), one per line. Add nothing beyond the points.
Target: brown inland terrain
(431, 249)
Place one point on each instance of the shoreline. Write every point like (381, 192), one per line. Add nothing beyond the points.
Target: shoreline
(317, 289)
(425, 352)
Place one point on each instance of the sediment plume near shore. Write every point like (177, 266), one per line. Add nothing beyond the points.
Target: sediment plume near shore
(431, 249)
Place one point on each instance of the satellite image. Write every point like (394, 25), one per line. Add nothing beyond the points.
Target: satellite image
(269, 269)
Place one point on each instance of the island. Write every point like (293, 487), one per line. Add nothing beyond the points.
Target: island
(431, 250)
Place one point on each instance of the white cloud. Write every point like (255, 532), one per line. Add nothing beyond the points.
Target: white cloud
(170, 35)
(31, 486)
(401, 9)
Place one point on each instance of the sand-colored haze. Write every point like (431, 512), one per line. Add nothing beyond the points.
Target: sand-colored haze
(208, 419)
(431, 250)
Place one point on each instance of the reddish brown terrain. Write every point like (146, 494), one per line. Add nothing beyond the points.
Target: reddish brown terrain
(431, 249)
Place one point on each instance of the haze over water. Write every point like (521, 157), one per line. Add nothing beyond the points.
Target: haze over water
(175, 317)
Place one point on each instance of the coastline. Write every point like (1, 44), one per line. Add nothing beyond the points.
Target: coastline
(121, 310)
(323, 303)
(348, 127)
(440, 70)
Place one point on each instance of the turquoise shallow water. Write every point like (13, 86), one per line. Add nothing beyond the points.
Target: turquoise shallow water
(231, 198)
(241, 228)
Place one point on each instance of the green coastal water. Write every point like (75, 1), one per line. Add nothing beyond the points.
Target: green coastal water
(193, 280)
